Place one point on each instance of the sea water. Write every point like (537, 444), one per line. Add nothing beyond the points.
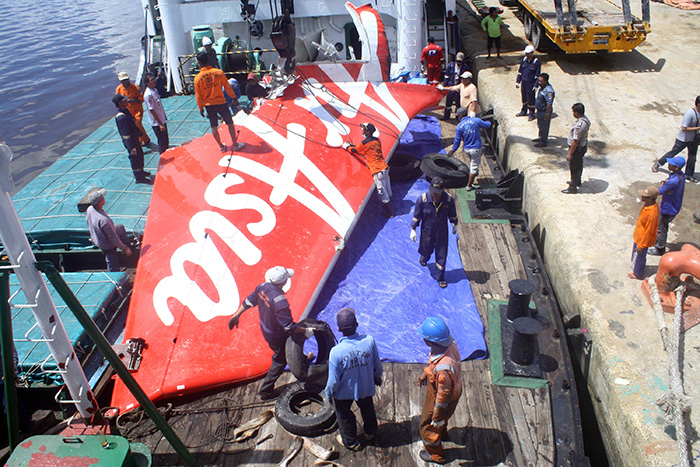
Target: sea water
(58, 73)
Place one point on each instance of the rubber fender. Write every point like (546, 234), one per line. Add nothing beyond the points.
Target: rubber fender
(297, 361)
(403, 167)
(293, 414)
(453, 171)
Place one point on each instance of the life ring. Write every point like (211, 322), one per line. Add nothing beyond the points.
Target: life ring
(300, 366)
(294, 410)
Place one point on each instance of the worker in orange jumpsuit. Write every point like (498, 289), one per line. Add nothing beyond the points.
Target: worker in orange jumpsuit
(432, 60)
(134, 103)
(443, 376)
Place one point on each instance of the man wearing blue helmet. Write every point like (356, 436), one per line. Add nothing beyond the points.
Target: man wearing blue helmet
(671, 191)
(443, 376)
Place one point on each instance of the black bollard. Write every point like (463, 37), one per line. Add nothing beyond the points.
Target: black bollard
(519, 301)
(524, 346)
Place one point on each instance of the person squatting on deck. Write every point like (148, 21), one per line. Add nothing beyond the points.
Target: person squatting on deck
(156, 113)
(671, 191)
(432, 212)
(276, 323)
(544, 103)
(103, 232)
(371, 150)
(644, 231)
(578, 145)
(529, 71)
(130, 137)
(468, 93)
(443, 376)
(354, 369)
(453, 72)
(688, 137)
(469, 131)
(209, 85)
(133, 103)
(432, 60)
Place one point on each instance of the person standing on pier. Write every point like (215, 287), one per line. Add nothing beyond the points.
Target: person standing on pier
(209, 85)
(492, 27)
(276, 323)
(432, 212)
(432, 60)
(156, 113)
(371, 150)
(688, 137)
(130, 138)
(443, 376)
(543, 104)
(529, 71)
(644, 231)
(354, 369)
(671, 191)
(452, 77)
(468, 132)
(103, 232)
(578, 144)
(134, 100)
(468, 93)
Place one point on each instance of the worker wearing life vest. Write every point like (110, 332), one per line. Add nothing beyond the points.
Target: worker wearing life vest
(443, 376)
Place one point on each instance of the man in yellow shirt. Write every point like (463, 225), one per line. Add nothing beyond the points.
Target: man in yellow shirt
(492, 27)
(209, 85)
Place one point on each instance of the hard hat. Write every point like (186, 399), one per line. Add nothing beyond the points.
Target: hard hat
(279, 275)
(206, 40)
(436, 331)
(678, 161)
(529, 49)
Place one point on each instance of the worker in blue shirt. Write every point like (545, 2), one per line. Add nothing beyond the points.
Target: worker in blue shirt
(452, 77)
(528, 73)
(671, 191)
(354, 369)
(468, 131)
(543, 105)
(276, 323)
(432, 212)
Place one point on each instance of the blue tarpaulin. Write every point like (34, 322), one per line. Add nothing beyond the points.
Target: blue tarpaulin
(378, 273)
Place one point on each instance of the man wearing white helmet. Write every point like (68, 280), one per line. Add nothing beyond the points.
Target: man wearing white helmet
(103, 232)
(276, 322)
(468, 94)
(211, 53)
(529, 71)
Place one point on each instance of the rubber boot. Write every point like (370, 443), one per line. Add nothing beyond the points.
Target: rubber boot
(387, 210)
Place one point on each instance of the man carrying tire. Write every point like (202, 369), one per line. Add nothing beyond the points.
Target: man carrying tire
(443, 376)
(468, 131)
(354, 370)
(371, 149)
(276, 323)
(432, 212)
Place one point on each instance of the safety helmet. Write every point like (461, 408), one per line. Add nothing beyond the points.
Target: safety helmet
(435, 330)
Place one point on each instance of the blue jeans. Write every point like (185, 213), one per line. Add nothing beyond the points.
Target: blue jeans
(111, 255)
(678, 146)
(639, 261)
(662, 232)
(543, 125)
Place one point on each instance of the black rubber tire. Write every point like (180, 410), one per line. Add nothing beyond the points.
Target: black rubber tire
(291, 416)
(528, 23)
(297, 361)
(403, 167)
(537, 33)
(451, 170)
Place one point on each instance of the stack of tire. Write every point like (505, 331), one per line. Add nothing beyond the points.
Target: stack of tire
(453, 172)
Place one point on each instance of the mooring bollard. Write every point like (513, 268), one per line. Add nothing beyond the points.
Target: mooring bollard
(524, 346)
(519, 301)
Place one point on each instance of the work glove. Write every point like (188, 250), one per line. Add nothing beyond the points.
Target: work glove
(440, 87)
(346, 145)
(308, 332)
(454, 228)
(414, 236)
(233, 322)
(517, 85)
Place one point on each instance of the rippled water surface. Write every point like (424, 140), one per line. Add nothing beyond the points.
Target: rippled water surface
(59, 73)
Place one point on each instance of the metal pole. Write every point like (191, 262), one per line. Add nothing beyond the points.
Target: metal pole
(93, 331)
(8, 360)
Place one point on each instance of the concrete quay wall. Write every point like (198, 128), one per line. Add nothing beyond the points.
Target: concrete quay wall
(635, 102)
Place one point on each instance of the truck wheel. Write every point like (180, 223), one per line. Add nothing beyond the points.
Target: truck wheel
(453, 171)
(528, 22)
(403, 167)
(304, 409)
(297, 361)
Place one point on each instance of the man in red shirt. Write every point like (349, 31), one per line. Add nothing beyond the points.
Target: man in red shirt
(432, 60)
(371, 149)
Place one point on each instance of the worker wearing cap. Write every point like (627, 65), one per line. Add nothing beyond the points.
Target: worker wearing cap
(432, 212)
(130, 133)
(671, 191)
(371, 149)
(432, 60)
(443, 376)
(468, 94)
(276, 322)
(211, 53)
(645, 231)
(529, 71)
(134, 103)
(103, 232)
(452, 77)
(468, 132)
(209, 85)
(354, 369)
